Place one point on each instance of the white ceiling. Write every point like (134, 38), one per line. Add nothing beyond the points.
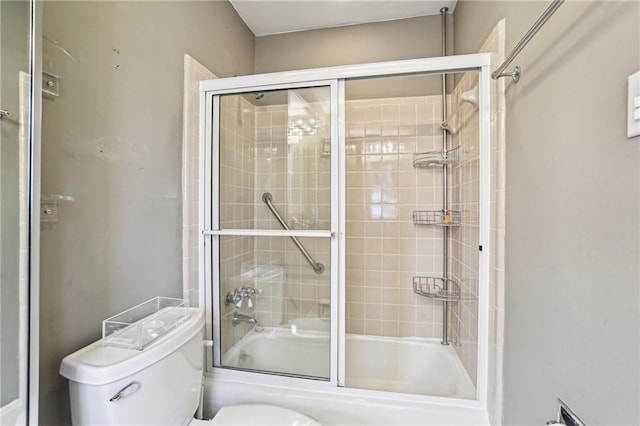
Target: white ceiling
(266, 17)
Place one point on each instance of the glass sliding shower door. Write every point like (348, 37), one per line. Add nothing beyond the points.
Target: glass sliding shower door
(346, 227)
(272, 223)
(15, 169)
(412, 235)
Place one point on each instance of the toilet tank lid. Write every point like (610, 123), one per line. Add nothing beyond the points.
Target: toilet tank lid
(99, 364)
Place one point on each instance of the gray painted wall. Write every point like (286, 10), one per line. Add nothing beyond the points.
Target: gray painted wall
(572, 231)
(356, 44)
(353, 44)
(113, 141)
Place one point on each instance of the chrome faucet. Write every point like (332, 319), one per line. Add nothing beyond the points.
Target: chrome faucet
(237, 318)
(240, 294)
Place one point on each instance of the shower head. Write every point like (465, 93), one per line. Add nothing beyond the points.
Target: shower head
(470, 96)
(259, 96)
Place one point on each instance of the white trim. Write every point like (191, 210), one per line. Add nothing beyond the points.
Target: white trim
(269, 233)
(484, 119)
(335, 191)
(34, 225)
(263, 85)
(202, 195)
(341, 264)
(213, 219)
(202, 190)
(298, 78)
(206, 243)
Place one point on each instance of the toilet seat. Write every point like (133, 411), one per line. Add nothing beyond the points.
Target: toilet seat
(256, 414)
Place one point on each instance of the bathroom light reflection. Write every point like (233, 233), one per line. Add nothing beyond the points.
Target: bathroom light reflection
(375, 211)
(376, 195)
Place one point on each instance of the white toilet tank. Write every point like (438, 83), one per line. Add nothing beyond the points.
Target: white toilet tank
(159, 385)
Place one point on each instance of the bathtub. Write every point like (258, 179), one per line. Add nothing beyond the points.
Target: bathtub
(400, 365)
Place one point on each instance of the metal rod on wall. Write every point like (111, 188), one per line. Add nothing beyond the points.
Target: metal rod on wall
(445, 193)
(515, 74)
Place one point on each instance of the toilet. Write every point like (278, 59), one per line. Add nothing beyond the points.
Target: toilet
(159, 385)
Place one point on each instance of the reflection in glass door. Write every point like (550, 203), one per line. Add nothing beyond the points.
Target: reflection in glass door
(273, 211)
(14, 214)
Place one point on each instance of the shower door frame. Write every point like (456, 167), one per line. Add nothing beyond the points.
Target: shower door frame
(336, 77)
(211, 218)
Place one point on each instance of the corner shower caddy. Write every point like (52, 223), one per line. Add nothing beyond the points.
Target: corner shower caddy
(442, 217)
(438, 288)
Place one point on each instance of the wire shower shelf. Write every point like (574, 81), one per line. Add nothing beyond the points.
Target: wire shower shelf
(434, 288)
(437, 217)
(435, 158)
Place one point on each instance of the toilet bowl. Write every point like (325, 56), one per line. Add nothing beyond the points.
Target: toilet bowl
(256, 414)
(159, 385)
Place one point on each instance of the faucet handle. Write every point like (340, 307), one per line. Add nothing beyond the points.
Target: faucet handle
(250, 291)
(240, 294)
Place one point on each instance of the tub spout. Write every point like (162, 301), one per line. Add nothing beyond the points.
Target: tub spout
(237, 318)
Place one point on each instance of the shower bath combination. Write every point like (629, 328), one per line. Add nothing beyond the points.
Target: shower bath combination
(353, 201)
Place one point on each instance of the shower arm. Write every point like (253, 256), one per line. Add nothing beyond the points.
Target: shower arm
(318, 267)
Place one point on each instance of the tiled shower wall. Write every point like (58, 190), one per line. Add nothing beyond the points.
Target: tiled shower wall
(464, 260)
(194, 72)
(256, 157)
(237, 130)
(464, 240)
(495, 43)
(384, 248)
(297, 174)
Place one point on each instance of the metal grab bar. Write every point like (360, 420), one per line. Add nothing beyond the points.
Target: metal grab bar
(515, 74)
(318, 267)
